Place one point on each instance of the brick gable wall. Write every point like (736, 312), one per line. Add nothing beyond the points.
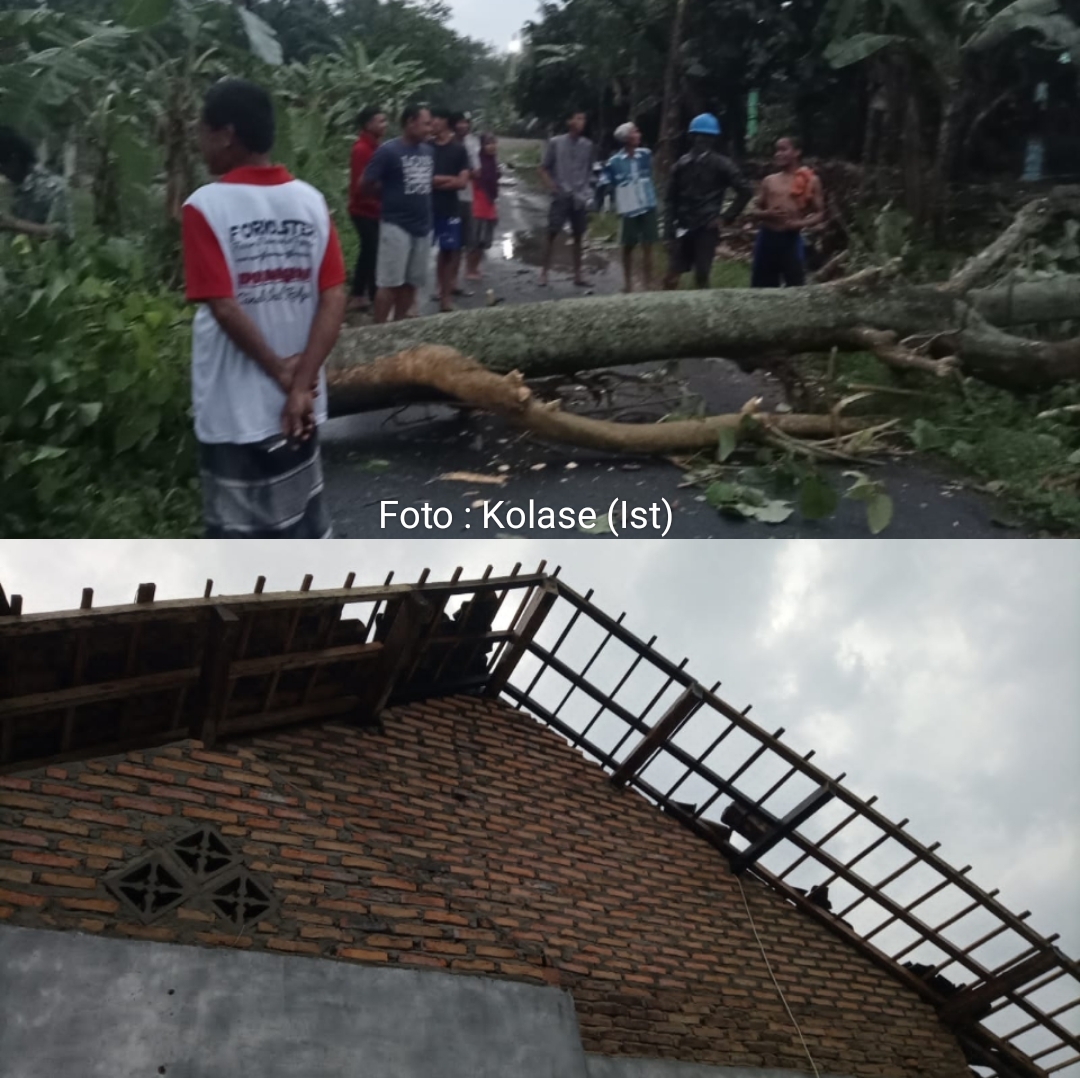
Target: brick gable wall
(468, 837)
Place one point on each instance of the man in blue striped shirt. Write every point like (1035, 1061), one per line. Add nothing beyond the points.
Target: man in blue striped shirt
(629, 174)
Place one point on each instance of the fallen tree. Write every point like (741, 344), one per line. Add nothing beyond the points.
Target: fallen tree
(938, 329)
(463, 379)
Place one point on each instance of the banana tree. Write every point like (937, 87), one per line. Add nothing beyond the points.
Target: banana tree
(946, 35)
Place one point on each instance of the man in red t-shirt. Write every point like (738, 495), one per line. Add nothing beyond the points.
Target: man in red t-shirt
(364, 208)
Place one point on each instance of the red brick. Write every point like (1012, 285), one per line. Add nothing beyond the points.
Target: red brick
(109, 782)
(65, 827)
(95, 849)
(195, 812)
(72, 792)
(22, 838)
(246, 777)
(179, 765)
(445, 947)
(359, 954)
(34, 804)
(176, 793)
(218, 759)
(109, 819)
(278, 838)
(146, 774)
(56, 773)
(54, 879)
(143, 804)
(15, 875)
(18, 899)
(91, 905)
(366, 863)
(36, 857)
(214, 787)
(10, 782)
(392, 883)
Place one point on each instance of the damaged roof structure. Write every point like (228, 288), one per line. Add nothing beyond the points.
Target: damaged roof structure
(95, 682)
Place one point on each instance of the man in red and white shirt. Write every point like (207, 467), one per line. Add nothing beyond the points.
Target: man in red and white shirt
(263, 260)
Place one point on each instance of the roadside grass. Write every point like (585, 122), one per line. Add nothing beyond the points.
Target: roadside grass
(997, 441)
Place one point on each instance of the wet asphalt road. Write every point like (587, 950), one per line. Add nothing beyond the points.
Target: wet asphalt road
(379, 458)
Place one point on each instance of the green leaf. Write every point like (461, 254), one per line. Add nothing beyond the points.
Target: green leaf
(721, 494)
(374, 465)
(817, 498)
(1074, 457)
(57, 286)
(140, 14)
(925, 435)
(90, 412)
(262, 38)
(855, 49)
(51, 411)
(601, 527)
(36, 390)
(879, 513)
(728, 442)
(1045, 17)
(47, 452)
(773, 512)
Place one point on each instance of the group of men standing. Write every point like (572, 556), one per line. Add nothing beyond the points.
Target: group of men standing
(436, 184)
(788, 201)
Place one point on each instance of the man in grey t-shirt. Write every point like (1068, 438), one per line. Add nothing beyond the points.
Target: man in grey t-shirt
(567, 171)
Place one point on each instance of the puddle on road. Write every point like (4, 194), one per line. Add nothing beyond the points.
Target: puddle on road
(528, 247)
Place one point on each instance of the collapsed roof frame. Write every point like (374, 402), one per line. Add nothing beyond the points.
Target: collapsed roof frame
(408, 634)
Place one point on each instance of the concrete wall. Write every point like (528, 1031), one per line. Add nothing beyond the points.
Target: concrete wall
(91, 1006)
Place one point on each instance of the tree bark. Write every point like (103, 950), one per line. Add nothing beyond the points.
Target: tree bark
(543, 339)
(458, 377)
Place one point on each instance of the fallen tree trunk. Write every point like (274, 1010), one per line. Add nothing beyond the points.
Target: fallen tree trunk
(454, 375)
(543, 339)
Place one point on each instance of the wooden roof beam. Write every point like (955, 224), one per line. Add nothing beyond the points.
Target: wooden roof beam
(193, 610)
(525, 629)
(970, 1001)
(666, 726)
(404, 641)
(221, 641)
(96, 692)
(797, 816)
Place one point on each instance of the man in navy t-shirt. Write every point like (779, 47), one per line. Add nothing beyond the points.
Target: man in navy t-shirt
(452, 174)
(401, 173)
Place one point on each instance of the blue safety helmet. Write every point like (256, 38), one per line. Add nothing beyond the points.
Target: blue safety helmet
(705, 124)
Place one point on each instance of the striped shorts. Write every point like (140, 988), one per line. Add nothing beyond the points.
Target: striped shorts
(264, 491)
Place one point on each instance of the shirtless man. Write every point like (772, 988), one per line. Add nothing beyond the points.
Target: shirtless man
(789, 201)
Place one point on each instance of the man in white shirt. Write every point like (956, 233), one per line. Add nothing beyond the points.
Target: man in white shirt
(628, 174)
(262, 259)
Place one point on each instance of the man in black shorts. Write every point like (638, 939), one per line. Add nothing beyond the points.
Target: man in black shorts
(568, 173)
(695, 204)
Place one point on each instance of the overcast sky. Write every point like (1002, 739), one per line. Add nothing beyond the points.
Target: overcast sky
(497, 23)
(940, 675)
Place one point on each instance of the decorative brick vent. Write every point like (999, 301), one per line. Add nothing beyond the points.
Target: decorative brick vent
(241, 899)
(204, 853)
(198, 865)
(150, 887)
